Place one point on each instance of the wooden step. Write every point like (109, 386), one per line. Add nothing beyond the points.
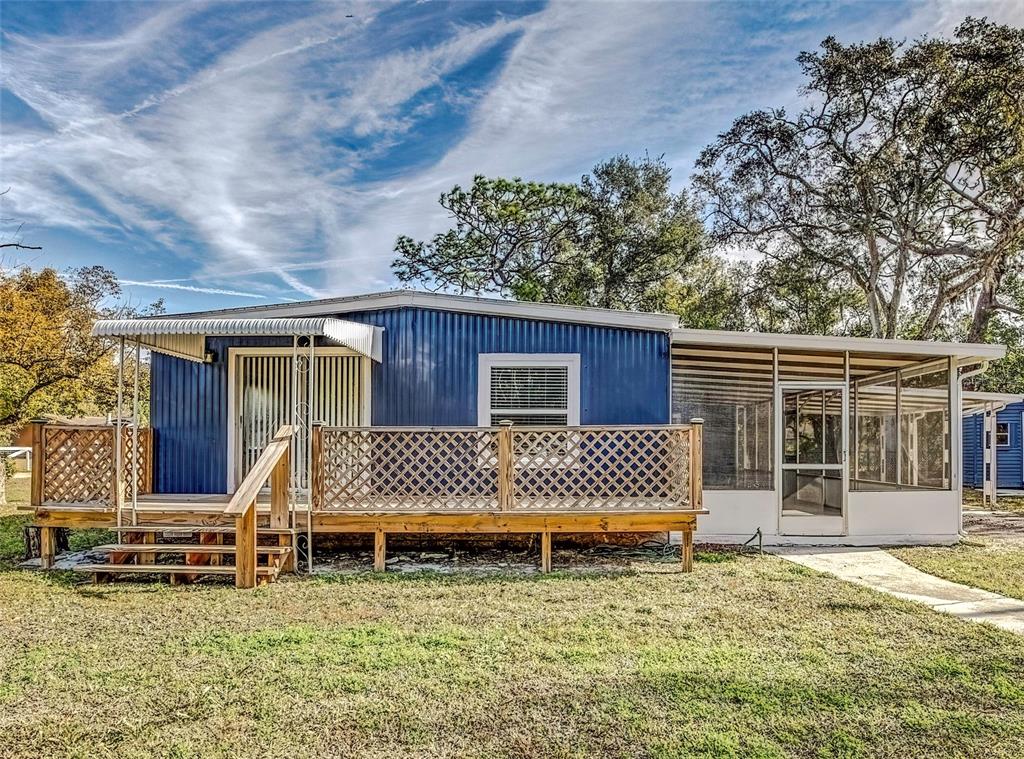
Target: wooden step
(226, 529)
(186, 548)
(162, 569)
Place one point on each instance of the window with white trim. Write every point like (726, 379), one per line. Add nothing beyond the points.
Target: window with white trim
(1002, 434)
(529, 389)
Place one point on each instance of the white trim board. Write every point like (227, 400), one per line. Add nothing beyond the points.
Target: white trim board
(486, 361)
(768, 340)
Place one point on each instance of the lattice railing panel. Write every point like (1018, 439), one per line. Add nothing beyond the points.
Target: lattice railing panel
(78, 465)
(457, 469)
(600, 468)
(145, 460)
(366, 469)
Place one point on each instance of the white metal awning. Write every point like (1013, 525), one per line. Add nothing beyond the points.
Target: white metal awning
(186, 338)
(976, 402)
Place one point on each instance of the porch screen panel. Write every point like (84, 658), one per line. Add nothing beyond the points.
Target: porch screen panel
(924, 429)
(732, 392)
(902, 430)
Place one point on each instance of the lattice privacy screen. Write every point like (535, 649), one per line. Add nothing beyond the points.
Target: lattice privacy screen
(456, 469)
(78, 464)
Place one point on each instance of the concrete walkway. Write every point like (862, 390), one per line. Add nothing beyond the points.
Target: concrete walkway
(882, 571)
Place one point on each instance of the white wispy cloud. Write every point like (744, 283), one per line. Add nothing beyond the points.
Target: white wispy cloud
(164, 285)
(251, 167)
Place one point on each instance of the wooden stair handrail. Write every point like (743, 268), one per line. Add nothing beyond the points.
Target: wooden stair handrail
(253, 482)
(271, 465)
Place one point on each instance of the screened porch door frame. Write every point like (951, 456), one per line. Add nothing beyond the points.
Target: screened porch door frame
(235, 377)
(812, 525)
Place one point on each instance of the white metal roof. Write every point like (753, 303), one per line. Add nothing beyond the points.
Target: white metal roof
(186, 337)
(769, 340)
(600, 317)
(458, 303)
(976, 401)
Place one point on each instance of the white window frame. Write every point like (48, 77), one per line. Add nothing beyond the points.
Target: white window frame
(1006, 441)
(488, 361)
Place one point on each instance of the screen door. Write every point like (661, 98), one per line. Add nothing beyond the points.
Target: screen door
(812, 419)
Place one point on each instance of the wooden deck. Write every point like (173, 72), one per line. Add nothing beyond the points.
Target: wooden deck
(383, 481)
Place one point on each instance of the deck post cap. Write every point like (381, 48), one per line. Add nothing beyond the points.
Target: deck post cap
(697, 420)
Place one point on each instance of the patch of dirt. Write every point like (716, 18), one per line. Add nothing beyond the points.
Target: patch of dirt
(487, 560)
(1006, 527)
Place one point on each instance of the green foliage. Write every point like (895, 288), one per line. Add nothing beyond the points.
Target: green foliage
(802, 297)
(1007, 374)
(901, 175)
(509, 235)
(619, 239)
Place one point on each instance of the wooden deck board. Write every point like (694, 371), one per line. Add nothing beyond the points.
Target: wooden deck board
(167, 569)
(184, 511)
(219, 548)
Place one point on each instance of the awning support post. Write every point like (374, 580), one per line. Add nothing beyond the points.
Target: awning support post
(135, 436)
(311, 369)
(117, 431)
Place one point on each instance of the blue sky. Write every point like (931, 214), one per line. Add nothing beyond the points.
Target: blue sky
(223, 154)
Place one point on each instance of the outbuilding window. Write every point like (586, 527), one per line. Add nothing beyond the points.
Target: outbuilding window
(1002, 434)
(529, 389)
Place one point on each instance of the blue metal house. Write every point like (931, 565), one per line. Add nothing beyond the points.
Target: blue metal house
(598, 368)
(806, 438)
(1007, 443)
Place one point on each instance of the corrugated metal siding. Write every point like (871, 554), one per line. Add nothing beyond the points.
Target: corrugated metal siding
(973, 452)
(188, 410)
(1010, 459)
(427, 377)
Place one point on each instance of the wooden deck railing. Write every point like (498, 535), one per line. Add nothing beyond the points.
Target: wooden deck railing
(76, 464)
(273, 465)
(536, 469)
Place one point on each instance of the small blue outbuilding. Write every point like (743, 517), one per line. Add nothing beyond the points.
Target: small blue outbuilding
(1008, 444)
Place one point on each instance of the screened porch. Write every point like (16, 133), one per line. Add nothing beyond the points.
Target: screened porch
(822, 427)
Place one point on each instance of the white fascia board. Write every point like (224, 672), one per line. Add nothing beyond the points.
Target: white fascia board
(768, 340)
(457, 303)
(978, 396)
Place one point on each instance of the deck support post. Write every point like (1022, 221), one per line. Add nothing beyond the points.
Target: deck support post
(545, 552)
(245, 548)
(697, 463)
(47, 546)
(686, 551)
(38, 464)
(506, 474)
(379, 550)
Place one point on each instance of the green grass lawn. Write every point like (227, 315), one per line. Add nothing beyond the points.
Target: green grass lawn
(983, 563)
(743, 657)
